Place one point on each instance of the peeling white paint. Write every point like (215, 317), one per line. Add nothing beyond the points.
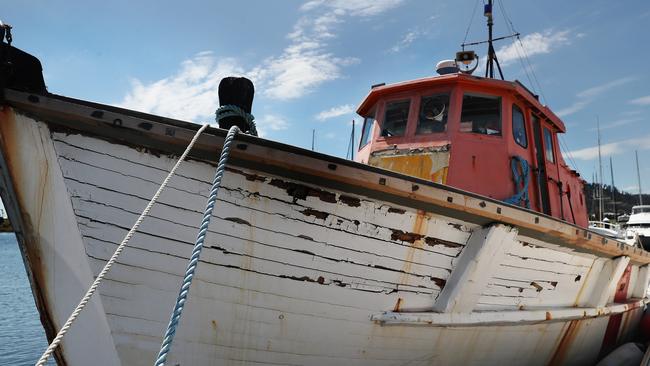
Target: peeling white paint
(297, 278)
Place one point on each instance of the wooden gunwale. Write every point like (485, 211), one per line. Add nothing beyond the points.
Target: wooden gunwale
(169, 136)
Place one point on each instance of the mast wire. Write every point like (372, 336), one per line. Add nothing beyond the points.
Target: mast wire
(564, 147)
(528, 68)
(471, 20)
(511, 29)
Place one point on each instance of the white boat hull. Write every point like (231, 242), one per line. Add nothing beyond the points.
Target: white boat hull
(294, 273)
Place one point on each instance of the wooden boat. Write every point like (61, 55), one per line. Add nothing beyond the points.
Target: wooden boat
(407, 257)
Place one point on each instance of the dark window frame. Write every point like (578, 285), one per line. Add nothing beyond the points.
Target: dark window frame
(366, 133)
(523, 125)
(548, 145)
(448, 94)
(408, 116)
(499, 98)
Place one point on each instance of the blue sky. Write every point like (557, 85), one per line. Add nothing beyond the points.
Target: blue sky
(313, 61)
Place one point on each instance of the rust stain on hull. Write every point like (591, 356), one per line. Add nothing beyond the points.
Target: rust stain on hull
(566, 341)
(27, 235)
(415, 238)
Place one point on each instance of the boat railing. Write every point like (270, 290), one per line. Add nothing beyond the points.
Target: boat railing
(605, 225)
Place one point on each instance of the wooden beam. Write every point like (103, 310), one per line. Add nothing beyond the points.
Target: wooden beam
(172, 136)
(641, 283)
(605, 276)
(484, 252)
(509, 317)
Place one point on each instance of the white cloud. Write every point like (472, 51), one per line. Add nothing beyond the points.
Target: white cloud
(271, 122)
(573, 108)
(363, 8)
(298, 72)
(600, 89)
(585, 97)
(190, 94)
(634, 112)
(335, 112)
(616, 123)
(613, 148)
(406, 41)
(305, 63)
(641, 101)
(534, 44)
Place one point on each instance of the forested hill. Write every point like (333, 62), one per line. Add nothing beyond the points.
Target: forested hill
(624, 201)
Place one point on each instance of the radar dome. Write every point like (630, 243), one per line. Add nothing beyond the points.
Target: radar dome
(445, 67)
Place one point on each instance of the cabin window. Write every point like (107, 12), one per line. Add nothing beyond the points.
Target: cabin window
(519, 127)
(433, 114)
(640, 209)
(368, 122)
(548, 145)
(481, 114)
(395, 118)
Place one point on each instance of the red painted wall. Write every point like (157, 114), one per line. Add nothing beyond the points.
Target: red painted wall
(481, 163)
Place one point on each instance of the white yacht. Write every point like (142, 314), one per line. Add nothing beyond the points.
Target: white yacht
(607, 228)
(637, 228)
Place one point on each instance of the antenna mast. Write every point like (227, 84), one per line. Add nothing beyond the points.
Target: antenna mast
(638, 176)
(492, 56)
(466, 57)
(350, 153)
(352, 142)
(611, 170)
(600, 168)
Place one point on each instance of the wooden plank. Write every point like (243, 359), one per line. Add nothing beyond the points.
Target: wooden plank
(604, 279)
(229, 284)
(641, 284)
(180, 198)
(311, 271)
(531, 248)
(476, 264)
(228, 228)
(343, 205)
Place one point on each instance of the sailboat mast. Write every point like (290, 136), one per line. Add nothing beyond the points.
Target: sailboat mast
(600, 168)
(638, 176)
(611, 170)
(352, 142)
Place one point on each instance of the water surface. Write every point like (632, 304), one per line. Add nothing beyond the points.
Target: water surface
(22, 339)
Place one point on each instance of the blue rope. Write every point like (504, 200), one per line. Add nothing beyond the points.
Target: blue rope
(196, 252)
(230, 110)
(521, 180)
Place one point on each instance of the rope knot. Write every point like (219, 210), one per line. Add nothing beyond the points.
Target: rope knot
(231, 110)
